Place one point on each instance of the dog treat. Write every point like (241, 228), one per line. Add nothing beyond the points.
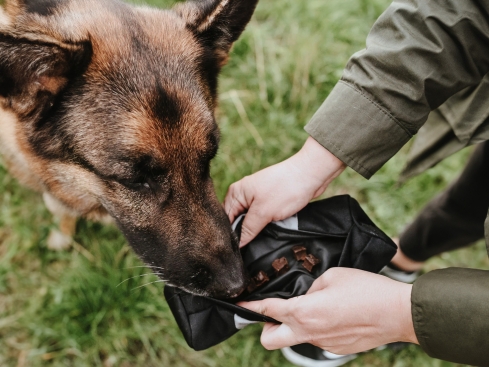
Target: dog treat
(281, 266)
(251, 286)
(261, 278)
(310, 262)
(257, 281)
(299, 252)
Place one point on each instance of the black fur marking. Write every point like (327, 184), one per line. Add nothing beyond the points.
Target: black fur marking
(47, 136)
(214, 146)
(20, 60)
(15, 63)
(6, 83)
(42, 7)
(166, 108)
(209, 68)
(227, 26)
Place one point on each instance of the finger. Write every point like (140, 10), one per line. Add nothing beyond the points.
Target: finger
(233, 202)
(278, 336)
(275, 308)
(253, 224)
(235, 210)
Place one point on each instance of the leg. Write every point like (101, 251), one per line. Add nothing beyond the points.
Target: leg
(452, 220)
(61, 239)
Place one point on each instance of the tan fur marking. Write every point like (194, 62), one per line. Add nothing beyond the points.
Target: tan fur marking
(67, 225)
(51, 84)
(4, 19)
(75, 187)
(16, 160)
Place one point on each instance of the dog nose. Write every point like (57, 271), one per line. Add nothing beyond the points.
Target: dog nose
(230, 293)
(231, 287)
(236, 292)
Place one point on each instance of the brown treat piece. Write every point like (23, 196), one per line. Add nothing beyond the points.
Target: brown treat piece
(299, 252)
(281, 266)
(310, 262)
(251, 286)
(261, 278)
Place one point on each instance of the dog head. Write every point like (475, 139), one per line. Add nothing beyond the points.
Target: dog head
(115, 108)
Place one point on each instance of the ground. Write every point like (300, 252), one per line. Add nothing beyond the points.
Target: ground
(71, 309)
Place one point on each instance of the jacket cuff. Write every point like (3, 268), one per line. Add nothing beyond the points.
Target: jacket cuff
(357, 130)
(451, 315)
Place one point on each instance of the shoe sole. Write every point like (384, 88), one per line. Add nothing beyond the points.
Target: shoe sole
(400, 276)
(301, 361)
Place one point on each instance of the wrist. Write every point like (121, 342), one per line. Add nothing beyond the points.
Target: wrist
(315, 152)
(320, 163)
(406, 325)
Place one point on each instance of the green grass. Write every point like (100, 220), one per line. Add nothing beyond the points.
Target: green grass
(68, 309)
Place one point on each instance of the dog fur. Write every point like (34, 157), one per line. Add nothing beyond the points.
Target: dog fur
(108, 110)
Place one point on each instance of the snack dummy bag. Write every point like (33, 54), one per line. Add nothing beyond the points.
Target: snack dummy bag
(336, 231)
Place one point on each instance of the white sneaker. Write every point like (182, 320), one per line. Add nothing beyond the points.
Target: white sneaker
(390, 271)
(307, 355)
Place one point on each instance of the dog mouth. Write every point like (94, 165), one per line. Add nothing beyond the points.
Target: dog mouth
(226, 295)
(237, 294)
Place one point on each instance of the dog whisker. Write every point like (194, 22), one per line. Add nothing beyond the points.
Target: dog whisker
(145, 266)
(137, 276)
(144, 285)
(157, 267)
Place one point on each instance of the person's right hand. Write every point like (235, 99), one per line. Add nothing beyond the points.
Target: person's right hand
(345, 311)
(282, 190)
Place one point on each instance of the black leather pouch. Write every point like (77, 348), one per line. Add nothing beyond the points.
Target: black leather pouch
(337, 231)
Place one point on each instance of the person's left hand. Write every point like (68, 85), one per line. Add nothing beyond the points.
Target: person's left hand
(345, 311)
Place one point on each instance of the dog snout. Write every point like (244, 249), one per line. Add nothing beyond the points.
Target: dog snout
(229, 284)
(230, 277)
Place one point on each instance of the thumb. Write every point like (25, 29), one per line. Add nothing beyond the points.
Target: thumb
(275, 308)
(253, 223)
(275, 336)
(278, 336)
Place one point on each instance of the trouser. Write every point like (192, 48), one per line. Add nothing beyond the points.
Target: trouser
(455, 218)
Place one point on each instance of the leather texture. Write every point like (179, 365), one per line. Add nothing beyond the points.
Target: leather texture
(335, 230)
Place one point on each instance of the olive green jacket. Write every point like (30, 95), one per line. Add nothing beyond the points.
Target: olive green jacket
(421, 55)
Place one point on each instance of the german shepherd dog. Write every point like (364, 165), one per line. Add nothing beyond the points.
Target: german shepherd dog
(108, 110)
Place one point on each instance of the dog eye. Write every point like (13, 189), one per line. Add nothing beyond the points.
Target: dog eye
(140, 185)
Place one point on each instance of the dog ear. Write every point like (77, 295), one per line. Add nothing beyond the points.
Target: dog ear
(34, 70)
(39, 7)
(217, 23)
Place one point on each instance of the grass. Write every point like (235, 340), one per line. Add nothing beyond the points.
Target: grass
(69, 309)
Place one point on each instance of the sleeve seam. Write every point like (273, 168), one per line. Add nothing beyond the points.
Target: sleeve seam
(348, 156)
(379, 107)
(418, 323)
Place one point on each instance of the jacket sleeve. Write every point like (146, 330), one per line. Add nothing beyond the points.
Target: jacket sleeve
(450, 309)
(418, 54)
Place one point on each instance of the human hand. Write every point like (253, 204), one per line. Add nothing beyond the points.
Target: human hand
(282, 190)
(346, 311)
